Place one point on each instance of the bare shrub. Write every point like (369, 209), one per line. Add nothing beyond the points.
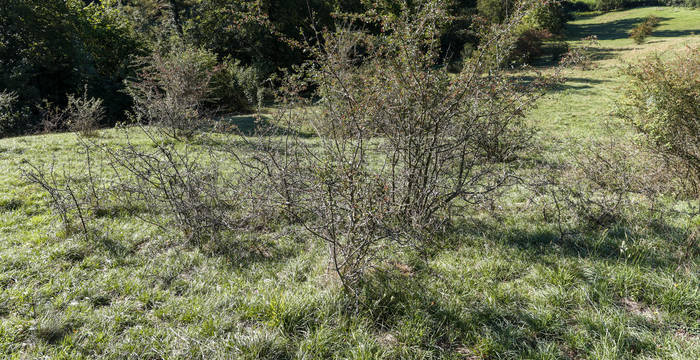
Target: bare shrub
(168, 183)
(65, 199)
(171, 90)
(602, 184)
(83, 114)
(53, 117)
(165, 183)
(581, 56)
(177, 187)
(401, 144)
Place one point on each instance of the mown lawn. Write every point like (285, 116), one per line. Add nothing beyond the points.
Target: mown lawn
(502, 287)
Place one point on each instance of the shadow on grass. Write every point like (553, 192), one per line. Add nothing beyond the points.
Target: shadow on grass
(474, 324)
(114, 247)
(581, 83)
(10, 205)
(614, 30)
(250, 125)
(591, 243)
(414, 310)
(675, 33)
(602, 53)
(251, 248)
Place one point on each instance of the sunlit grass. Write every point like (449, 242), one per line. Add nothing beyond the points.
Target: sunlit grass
(506, 287)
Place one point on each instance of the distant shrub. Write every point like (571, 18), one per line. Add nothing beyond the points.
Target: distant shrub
(551, 17)
(576, 6)
(548, 15)
(83, 114)
(662, 100)
(544, 21)
(236, 87)
(52, 117)
(581, 56)
(172, 89)
(15, 118)
(644, 29)
(528, 46)
(602, 182)
(180, 88)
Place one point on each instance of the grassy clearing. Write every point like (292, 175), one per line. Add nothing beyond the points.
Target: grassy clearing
(506, 287)
(582, 106)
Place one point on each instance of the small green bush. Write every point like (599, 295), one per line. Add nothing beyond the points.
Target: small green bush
(180, 88)
(84, 114)
(644, 29)
(551, 17)
(548, 16)
(528, 46)
(236, 87)
(172, 89)
(663, 103)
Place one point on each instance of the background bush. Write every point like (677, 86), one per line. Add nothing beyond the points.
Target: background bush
(496, 11)
(644, 29)
(236, 87)
(172, 89)
(551, 17)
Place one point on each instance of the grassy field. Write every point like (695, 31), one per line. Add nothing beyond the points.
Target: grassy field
(506, 287)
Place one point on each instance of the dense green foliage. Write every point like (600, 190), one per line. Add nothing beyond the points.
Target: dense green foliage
(48, 49)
